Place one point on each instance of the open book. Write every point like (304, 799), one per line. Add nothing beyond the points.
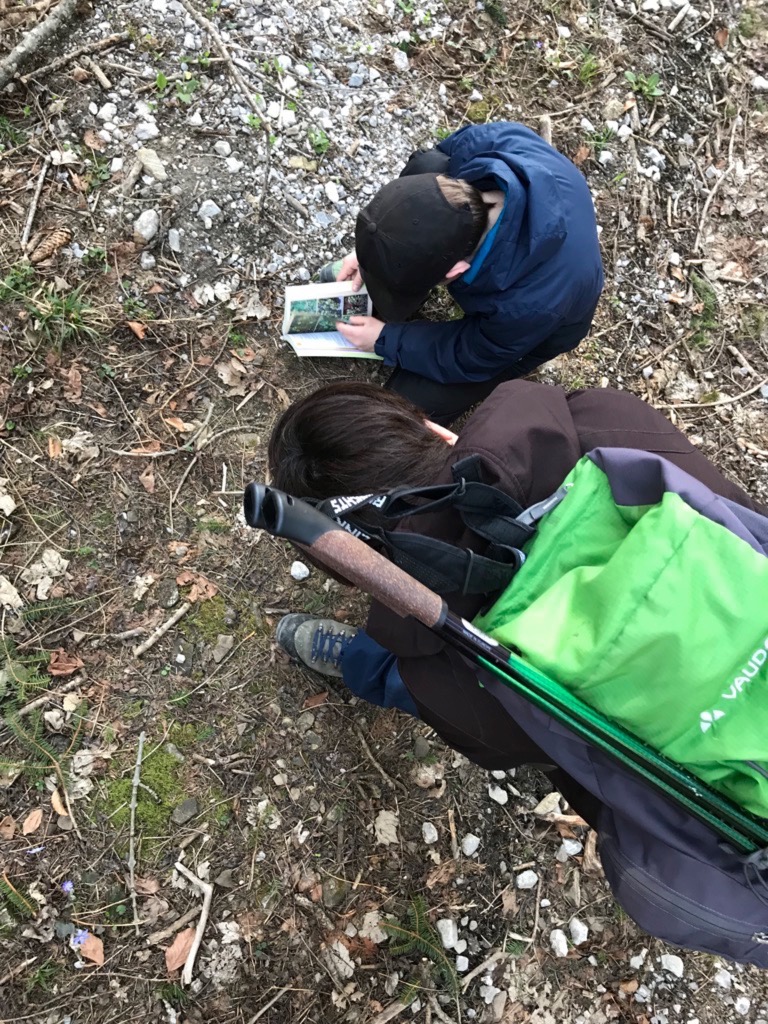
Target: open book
(311, 314)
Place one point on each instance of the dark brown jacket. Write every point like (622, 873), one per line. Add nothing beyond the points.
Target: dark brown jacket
(529, 437)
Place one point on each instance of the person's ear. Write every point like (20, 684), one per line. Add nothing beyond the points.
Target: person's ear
(456, 270)
(447, 435)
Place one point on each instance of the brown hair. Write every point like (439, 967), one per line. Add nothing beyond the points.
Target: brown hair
(353, 438)
(459, 192)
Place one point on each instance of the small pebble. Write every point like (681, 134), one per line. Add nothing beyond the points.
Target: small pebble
(579, 931)
(146, 226)
(147, 261)
(470, 844)
(462, 964)
(222, 147)
(527, 880)
(356, 81)
(174, 240)
(563, 32)
(673, 964)
(299, 571)
(448, 931)
(723, 978)
(233, 164)
(107, 112)
(759, 84)
(208, 210)
(332, 191)
(400, 60)
(558, 942)
(498, 794)
(742, 1005)
(460, 946)
(429, 832)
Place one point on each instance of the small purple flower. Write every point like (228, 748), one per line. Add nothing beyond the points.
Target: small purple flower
(78, 938)
(539, 44)
(68, 888)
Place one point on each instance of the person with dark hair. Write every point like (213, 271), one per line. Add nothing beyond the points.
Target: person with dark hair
(353, 438)
(508, 223)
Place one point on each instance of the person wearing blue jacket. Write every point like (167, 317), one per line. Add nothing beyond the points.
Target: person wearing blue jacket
(508, 223)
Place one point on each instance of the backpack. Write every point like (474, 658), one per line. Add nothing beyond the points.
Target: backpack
(639, 575)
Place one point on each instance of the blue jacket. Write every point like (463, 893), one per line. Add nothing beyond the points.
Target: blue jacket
(535, 281)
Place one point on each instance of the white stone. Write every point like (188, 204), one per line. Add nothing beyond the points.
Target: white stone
(332, 191)
(189, 41)
(208, 210)
(568, 848)
(429, 832)
(174, 239)
(673, 964)
(116, 165)
(147, 261)
(146, 130)
(195, 119)
(498, 794)
(299, 571)
(460, 946)
(563, 32)
(760, 84)
(606, 157)
(624, 131)
(107, 112)
(527, 880)
(475, 96)
(579, 931)
(462, 964)
(145, 226)
(400, 60)
(469, 844)
(586, 125)
(222, 147)
(742, 1005)
(233, 164)
(651, 5)
(558, 942)
(448, 931)
(723, 978)
(152, 164)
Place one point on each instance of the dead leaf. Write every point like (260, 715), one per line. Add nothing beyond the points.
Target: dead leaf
(148, 449)
(442, 874)
(721, 37)
(176, 954)
(179, 424)
(251, 925)
(156, 289)
(63, 663)
(32, 822)
(581, 154)
(7, 827)
(202, 588)
(54, 447)
(137, 328)
(58, 804)
(233, 375)
(509, 903)
(94, 141)
(147, 479)
(73, 388)
(629, 987)
(80, 74)
(146, 886)
(316, 699)
(93, 949)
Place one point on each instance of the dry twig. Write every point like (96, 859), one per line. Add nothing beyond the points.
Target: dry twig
(481, 968)
(389, 1013)
(266, 1006)
(719, 401)
(10, 975)
(207, 890)
(131, 838)
(35, 201)
(165, 933)
(370, 755)
(35, 39)
(38, 702)
(103, 44)
(160, 632)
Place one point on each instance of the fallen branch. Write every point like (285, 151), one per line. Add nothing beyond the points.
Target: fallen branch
(481, 968)
(38, 702)
(439, 1011)
(719, 401)
(207, 890)
(35, 200)
(207, 26)
(131, 840)
(103, 44)
(35, 39)
(266, 1006)
(160, 632)
(370, 755)
(165, 933)
(10, 975)
(389, 1013)
(716, 186)
(98, 74)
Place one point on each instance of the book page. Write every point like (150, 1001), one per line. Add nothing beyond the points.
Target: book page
(311, 313)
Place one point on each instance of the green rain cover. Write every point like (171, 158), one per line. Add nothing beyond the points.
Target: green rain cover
(655, 616)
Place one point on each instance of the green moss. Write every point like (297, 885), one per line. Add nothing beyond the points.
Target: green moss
(478, 113)
(161, 772)
(705, 321)
(207, 622)
(186, 735)
(750, 24)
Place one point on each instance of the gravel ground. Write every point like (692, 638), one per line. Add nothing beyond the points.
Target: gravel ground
(140, 373)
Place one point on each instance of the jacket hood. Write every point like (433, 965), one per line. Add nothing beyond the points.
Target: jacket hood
(533, 224)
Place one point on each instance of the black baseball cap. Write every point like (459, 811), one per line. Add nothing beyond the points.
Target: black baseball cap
(407, 239)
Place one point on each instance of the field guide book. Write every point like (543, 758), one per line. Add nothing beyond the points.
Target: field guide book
(312, 312)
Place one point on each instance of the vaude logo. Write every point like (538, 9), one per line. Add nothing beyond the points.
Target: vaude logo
(749, 671)
(746, 673)
(708, 718)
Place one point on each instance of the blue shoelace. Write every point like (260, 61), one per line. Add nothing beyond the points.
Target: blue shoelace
(330, 646)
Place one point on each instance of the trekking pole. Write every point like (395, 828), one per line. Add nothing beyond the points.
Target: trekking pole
(284, 516)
